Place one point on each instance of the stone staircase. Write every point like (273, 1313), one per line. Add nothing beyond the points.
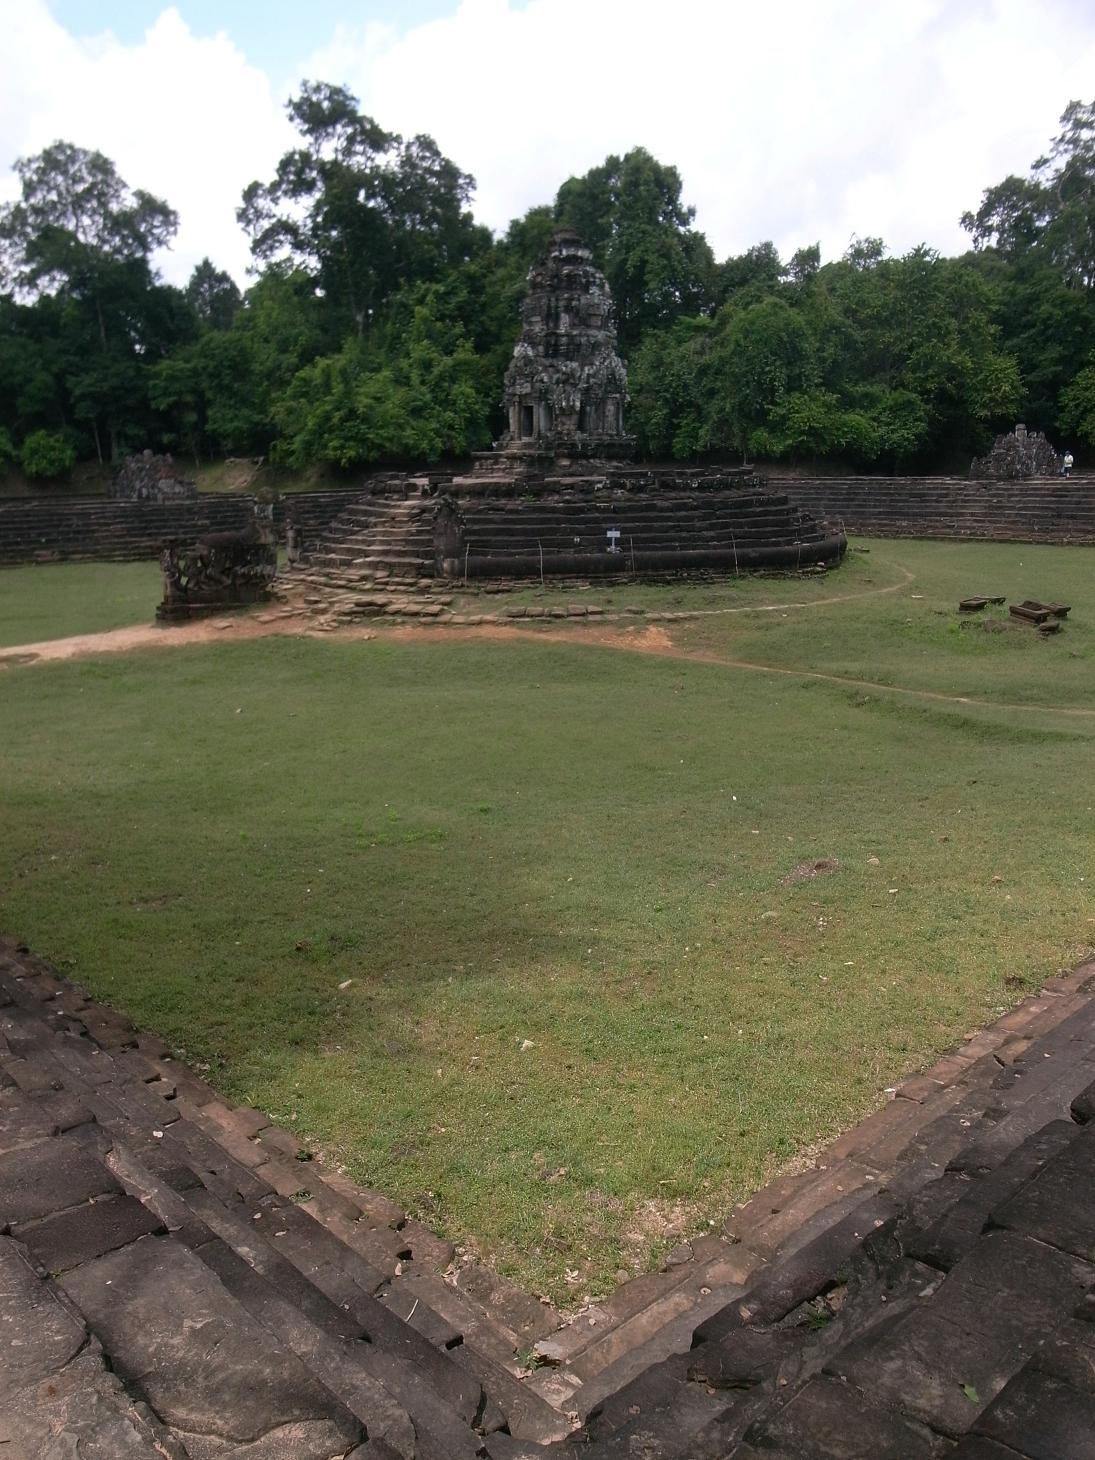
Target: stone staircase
(45, 529)
(179, 1278)
(381, 549)
(375, 541)
(951, 1311)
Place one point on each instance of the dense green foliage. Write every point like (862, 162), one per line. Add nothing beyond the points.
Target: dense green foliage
(47, 454)
(381, 316)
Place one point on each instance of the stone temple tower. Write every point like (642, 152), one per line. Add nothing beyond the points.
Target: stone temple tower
(566, 387)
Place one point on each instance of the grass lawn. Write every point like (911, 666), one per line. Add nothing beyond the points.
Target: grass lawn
(52, 601)
(592, 995)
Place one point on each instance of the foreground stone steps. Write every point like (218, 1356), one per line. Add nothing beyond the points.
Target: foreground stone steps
(865, 1349)
(161, 1227)
(989, 1102)
(163, 1176)
(956, 1306)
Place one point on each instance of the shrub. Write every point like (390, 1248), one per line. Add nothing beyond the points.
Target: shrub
(47, 454)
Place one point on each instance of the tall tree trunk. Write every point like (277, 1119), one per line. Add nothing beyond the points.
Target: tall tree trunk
(98, 444)
(102, 325)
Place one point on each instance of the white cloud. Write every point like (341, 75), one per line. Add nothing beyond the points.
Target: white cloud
(184, 117)
(812, 119)
(798, 121)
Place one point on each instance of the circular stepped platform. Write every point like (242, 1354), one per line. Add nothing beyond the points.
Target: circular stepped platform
(613, 522)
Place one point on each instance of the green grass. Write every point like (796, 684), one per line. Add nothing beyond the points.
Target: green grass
(53, 601)
(916, 638)
(589, 850)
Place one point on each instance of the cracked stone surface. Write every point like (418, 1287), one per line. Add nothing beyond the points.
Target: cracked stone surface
(205, 1366)
(56, 1396)
(926, 1289)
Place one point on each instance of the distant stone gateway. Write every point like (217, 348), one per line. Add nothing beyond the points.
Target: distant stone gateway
(151, 478)
(1017, 456)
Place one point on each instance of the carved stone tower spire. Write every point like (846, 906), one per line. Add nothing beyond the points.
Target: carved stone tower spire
(566, 387)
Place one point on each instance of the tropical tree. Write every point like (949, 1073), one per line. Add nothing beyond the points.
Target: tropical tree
(79, 236)
(629, 212)
(1078, 405)
(417, 392)
(213, 295)
(359, 209)
(1051, 212)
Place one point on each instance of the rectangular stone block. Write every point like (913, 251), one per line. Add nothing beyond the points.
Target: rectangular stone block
(40, 1335)
(828, 1421)
(206, 1366)
(1056, 1205)
(70, 1238)
(945, 1362)
(1042, 1418)
(50, 1177)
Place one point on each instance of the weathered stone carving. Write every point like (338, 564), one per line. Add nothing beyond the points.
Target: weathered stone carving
(557, 496)
(566, 387)
(1016, 456)
(150, 478)
(221, 570)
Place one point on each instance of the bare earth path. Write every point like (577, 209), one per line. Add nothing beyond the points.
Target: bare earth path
(647, 640)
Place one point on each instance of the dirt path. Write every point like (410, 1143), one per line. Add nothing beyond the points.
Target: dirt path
(152, 636)
(281, 621)
(655, 640)
(634, 639)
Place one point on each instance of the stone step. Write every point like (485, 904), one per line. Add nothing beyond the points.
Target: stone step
(54, 1380)
(193, 1181)
(355, 1347)
(846, 1307)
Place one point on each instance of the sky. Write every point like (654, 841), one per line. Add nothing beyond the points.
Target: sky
(808, 121)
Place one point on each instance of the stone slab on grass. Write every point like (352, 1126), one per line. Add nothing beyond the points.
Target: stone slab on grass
(208, 1369)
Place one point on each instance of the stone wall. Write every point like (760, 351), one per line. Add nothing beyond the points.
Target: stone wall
(53, 529)
(726, 530)
(46, 529)
(950, 507)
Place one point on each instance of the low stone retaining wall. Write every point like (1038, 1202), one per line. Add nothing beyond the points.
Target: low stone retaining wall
(54, 529)
(48, 529)
(950, 507)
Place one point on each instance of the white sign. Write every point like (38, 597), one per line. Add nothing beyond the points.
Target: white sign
(613, 535)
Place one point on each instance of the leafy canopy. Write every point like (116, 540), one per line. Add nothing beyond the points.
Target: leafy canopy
(75, 217)
(359, 209)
